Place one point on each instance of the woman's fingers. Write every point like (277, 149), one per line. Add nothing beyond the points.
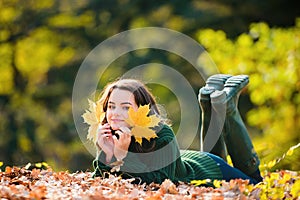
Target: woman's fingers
(124, 134)
(111, 144)
(121, 145)
(104, 128)
(124, 139)
(106, 143)
(106, 135)
(125, 130)
(103, 140)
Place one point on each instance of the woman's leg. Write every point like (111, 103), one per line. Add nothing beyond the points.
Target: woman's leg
(230, 172)
(238, 142)
(213, 83)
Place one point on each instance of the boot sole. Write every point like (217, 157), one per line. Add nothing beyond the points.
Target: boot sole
(234, 85)
(217, 81)
(213, 83)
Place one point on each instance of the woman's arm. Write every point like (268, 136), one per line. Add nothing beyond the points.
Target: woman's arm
(158, 165)
(149, 167)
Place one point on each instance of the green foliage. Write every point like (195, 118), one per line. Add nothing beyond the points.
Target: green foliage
(270, 56)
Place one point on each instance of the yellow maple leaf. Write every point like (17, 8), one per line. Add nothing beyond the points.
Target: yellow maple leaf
(140, 132)
(217, 183)
(272, 163)
(229, 160)
(290, 152)
(291, 149)
(139, 117)
(93, 117)
(141, 123)
(200, 182)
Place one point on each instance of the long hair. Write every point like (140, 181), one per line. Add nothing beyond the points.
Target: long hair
(142, 96)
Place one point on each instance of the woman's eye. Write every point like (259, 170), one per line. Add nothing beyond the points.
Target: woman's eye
(111, 107)
(126, 107)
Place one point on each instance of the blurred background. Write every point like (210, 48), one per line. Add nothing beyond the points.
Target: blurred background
(43, 43)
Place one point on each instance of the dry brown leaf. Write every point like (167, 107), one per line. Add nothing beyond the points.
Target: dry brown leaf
(168, 187)
(18, 183)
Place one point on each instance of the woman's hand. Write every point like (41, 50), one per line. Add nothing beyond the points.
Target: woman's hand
(105, 141)
(122, 144)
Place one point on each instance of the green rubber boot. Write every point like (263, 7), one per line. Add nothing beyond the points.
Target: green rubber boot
(213, 83)
(237, 139)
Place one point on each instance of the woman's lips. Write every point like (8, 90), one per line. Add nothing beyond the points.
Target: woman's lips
(117, 120)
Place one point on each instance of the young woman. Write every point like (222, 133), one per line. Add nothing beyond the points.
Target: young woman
(116, 144)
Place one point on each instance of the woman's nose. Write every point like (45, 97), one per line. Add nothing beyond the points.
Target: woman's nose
(116, 111)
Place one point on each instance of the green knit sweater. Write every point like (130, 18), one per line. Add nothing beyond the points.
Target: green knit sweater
(166, 164)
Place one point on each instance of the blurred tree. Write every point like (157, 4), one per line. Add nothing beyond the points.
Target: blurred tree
(271, 57)
(35, 84)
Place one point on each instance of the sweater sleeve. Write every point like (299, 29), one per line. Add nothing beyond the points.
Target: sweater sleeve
(154, 166)
(158, 165)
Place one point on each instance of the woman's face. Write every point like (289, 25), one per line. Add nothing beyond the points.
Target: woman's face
(117, 109)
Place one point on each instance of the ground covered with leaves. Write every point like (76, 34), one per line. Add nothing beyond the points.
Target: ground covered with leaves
(23, 183)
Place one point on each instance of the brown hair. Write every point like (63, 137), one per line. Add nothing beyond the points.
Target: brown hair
(142, 96)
